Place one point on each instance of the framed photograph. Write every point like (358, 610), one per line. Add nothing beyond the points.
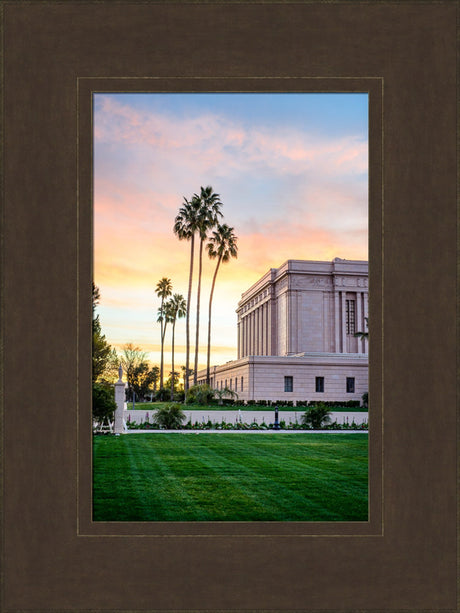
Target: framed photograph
(100, 100)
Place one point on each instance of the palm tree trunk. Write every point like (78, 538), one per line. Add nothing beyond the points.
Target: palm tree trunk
(165, 323)
(197, 335)
(208, 362)
(172, 360)
(187, 320)
(162, 347)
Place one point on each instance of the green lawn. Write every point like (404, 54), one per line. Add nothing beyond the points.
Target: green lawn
(231, 477)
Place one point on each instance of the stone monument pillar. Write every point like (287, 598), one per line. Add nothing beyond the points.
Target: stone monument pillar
(120, 402)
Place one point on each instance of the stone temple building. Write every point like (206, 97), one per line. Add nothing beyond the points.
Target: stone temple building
(296, 329)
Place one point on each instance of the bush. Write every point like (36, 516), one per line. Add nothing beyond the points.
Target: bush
(162, 395)
(365, 399)
(200, 394)
(170, 417)
(103, 403)
(316, 416)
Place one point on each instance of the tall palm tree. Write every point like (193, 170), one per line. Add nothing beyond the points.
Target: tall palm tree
(163, 290)
(185, 227)
(208, 216)
(222, 245)
(176, 308)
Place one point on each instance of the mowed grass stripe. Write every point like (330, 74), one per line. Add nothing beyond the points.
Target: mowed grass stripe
(278, 488)
(227, 479)
(320, 468)
(218, 477)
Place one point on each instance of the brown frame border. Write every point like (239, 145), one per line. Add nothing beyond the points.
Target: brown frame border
(374, 88)
(47, 46)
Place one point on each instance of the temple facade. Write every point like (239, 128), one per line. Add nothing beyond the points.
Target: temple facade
(296, 334)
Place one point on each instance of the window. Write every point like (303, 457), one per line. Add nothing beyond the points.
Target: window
(236, 384)
(288, 384)
(350, 385)
(242, 384)
(319, 384)
(350, 311)
(231, 383)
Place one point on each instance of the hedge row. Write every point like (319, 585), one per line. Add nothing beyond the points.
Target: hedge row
(288, 403)
(223, 425)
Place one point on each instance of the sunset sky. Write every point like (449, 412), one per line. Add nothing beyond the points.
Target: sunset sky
(292, 174)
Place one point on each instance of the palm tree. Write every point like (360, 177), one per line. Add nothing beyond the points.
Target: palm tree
(176, 309)
(222, 245)
(163, 290)
(208, 215)
(363, 335)
(185, 227)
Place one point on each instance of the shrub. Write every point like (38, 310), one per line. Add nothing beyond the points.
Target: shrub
(171, 416)
(103, 403)
(365, 399)
(316, 416)
(162, 395)
(200, 394)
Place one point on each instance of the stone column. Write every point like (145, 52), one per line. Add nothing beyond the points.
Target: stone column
(359, 319)
(259, 331)
(337, 321)
(269, 327)
(246, 335)
(120, 402)
(366, 314)
(344, 322)
(239, 340)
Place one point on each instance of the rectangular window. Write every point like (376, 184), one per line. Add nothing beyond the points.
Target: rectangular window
(319, 384)
(242, 384)
(350, 385)
(350, 311)
(236, 384)
(288, 384)
(231, 383)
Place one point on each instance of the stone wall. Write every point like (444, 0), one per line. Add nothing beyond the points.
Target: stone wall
(263, 376)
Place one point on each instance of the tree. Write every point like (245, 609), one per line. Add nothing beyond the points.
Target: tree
(185, 227)
(176, 309)
(172, 382)
(316, 416)
(364, 335)
(200, 394)
(163, 290)
(208, 215)
(103, 403)
(222, 245)
(170, 416)
(102, 351)
(225, 392)
(142, 378)
(131, 358)
(185, 374)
